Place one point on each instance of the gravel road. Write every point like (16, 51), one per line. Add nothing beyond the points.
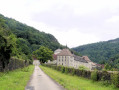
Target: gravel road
(40, 81)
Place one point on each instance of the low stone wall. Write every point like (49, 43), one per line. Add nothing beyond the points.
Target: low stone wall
(14, 63)
(104, 76)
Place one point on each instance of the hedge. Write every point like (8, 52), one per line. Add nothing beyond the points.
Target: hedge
(108, 77)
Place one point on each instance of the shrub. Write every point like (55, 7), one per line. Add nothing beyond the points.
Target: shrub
(72, 71)
(25, 69)
(66, 70)
(94, 76)
(62, 69)
(83, 68)
(115, 79)
(105, 76)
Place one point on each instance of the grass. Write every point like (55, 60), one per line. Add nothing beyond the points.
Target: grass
(15, 80)
(74, 82)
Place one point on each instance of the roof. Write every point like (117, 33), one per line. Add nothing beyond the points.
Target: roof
(57, 51)
(78, 58)
(86, 58)
(65, 52)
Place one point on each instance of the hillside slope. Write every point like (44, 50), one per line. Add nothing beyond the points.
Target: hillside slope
(32, 37)
(101, 51)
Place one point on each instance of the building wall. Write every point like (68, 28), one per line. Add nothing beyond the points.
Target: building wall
(63, 60)
(78, 63)
(69, 61)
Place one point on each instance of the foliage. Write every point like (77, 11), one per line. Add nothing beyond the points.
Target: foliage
(34, 37)
(115, 79)
(62, 69)
(94, 76)
(83, 68)
(114, 61)
(103, 76)
(107, 67)
(66, 70)
(43, 54)
(101, 52)
(7, 44)
(19, 40)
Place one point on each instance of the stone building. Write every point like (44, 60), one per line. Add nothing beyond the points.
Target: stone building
(57, 51)
(54, 57)
(66, 58)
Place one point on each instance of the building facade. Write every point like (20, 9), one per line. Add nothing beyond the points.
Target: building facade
(66, 58)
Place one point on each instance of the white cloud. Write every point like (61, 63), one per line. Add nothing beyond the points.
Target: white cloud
(113, 19)
(72, 22)
(72, 37)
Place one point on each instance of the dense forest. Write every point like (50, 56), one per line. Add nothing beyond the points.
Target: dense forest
(101, 52)
(29, 39)
(31, 36)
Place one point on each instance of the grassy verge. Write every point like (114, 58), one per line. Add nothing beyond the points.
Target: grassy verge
(74, 82)
(15, 80)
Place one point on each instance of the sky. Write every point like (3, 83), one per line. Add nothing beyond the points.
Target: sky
(72, 22)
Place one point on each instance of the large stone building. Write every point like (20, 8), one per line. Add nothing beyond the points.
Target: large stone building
(66, 58)
(55, 57)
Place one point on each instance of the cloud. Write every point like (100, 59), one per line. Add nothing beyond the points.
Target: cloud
(72, 22)
(113, 19)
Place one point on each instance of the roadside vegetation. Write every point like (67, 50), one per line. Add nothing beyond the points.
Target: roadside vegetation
(15, 80)
(74, 82)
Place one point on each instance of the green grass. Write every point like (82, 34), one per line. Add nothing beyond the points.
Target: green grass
(74, 82)
(16, 80)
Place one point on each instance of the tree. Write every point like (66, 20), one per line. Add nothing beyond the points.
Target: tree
(43, 54)
(107, 66)
(6, 44)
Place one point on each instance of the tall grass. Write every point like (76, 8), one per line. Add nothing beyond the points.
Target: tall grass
(74, 82)
(15, 80)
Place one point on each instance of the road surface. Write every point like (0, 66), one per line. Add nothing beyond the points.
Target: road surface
(40, 81)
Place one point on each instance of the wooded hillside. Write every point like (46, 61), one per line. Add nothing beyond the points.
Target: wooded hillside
(19, 41)
(101, 51)
(31, 36)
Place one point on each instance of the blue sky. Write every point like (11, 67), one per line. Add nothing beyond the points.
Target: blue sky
(72, 22)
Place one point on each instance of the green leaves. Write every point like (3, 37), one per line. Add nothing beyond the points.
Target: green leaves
(43, 54)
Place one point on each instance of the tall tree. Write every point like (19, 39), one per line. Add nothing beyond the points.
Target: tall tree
(6, 44)
(43, 54)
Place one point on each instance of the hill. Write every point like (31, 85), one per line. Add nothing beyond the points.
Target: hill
(100, 52)
(32, 37)
(26, 38)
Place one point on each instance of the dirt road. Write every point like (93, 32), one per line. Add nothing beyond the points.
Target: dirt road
(40, 81)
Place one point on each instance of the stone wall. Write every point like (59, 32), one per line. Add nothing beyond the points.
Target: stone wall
(14, 64)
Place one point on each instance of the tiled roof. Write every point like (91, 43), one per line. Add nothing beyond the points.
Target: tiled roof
(86, 58)
(65, 52)
(57, 51)
(78, 58)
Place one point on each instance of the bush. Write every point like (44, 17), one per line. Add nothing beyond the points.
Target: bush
(66, 70)
(105, 77)
(115, 79)
(72, 71)
(25, 69)
(83, 68)
(94, 76)
(62, 69)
